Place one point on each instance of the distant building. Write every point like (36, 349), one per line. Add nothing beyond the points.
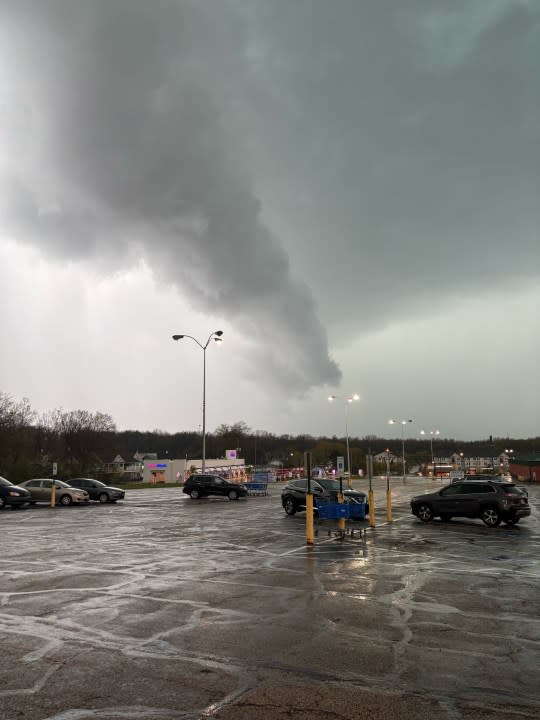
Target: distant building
(165, 470)
(525, 467)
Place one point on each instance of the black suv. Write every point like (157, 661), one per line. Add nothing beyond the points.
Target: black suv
(293, 495)
(199, 486)
(491, 501)
(98, 490)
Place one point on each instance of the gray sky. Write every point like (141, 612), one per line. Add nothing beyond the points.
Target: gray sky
(349, 190)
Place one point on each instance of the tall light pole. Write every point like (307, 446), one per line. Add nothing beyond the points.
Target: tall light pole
(432, 433)
(216, 336)
(402, 423)
(348, 401)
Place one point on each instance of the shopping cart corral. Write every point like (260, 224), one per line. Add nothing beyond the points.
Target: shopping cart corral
(258, 487)
(329, 510)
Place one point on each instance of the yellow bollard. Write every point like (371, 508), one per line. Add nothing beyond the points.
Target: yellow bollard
(389, 505)
(310, 537)
(371, 500)
(341, 521)
(53, 494)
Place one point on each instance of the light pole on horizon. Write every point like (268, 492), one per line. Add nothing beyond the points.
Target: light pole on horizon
(352, 398)
(402, 423)
(431, 433)
(216, 336)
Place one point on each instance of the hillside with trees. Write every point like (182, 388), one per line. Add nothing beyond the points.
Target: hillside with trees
(81, 442)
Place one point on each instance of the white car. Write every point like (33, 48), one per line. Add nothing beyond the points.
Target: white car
(41, 490)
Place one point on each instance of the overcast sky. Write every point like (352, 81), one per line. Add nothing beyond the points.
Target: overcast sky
(348, 189)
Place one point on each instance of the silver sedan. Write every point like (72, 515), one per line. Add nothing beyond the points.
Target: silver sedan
(41, 491)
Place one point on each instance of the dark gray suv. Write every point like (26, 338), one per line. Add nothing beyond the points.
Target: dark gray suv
(490, 501)
(199, 486)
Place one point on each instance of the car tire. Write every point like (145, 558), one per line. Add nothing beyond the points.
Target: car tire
(194, 494)
(490, 516)
(289, 506)
(233, 495)
(103, 498)
(425, 512)
(65, 500)
(445, 517)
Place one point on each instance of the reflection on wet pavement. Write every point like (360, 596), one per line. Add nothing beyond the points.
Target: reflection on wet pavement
(164, 607)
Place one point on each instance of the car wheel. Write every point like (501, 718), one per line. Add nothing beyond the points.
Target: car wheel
(65, 500)
(194, 494)
(425, 512)
(445, 517)
(289, 506)
(491, 516)
(233, 495)
(103, 498)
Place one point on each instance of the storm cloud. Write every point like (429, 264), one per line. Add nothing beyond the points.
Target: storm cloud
(310, 170)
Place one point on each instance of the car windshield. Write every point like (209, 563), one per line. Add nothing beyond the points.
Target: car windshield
(3, 481)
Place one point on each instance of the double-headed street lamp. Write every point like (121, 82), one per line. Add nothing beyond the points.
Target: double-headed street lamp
(402, 423)
(431, 433)
(348, 401)
(216, 336)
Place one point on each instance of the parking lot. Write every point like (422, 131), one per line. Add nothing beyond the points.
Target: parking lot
(165, 608)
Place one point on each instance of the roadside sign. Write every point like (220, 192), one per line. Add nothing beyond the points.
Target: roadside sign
(340, 462)
(54, 468)
(457, 475)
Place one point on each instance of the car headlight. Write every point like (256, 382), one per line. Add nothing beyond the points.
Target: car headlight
(12, 493)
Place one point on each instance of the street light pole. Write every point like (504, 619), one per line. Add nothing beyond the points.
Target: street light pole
(432, 433)
(216, 336)
(402, 423)
(348, 401)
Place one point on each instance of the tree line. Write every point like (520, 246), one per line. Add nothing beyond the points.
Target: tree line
(80, 442)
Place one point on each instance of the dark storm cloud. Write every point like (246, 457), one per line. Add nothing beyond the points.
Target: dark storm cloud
(396, 141)
(417, 124)
(132, 114)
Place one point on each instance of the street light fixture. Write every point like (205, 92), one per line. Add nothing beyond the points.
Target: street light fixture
(402, 423)
(352, 398)
(217, 337)
(432, 433)
(509, 452)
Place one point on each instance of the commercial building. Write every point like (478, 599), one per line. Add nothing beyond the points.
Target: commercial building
(174, 471)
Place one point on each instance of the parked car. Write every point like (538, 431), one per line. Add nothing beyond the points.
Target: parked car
(97, 490)
(12, 495)
(490, 500)
(199, 486)
(293, 494)
(40, 490)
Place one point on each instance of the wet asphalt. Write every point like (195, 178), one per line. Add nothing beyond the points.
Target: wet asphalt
(165, 608)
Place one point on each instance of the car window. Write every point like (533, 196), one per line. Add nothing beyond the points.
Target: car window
(34, 483)
(300, 484)
(218, 481)
(46, 483)
(512, 490)
(5, 482)
(456, 489)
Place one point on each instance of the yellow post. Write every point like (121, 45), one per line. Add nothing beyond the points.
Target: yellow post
(53, 494)
(341, 521)
(389, 505)
(310, 537)
(371, 500)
